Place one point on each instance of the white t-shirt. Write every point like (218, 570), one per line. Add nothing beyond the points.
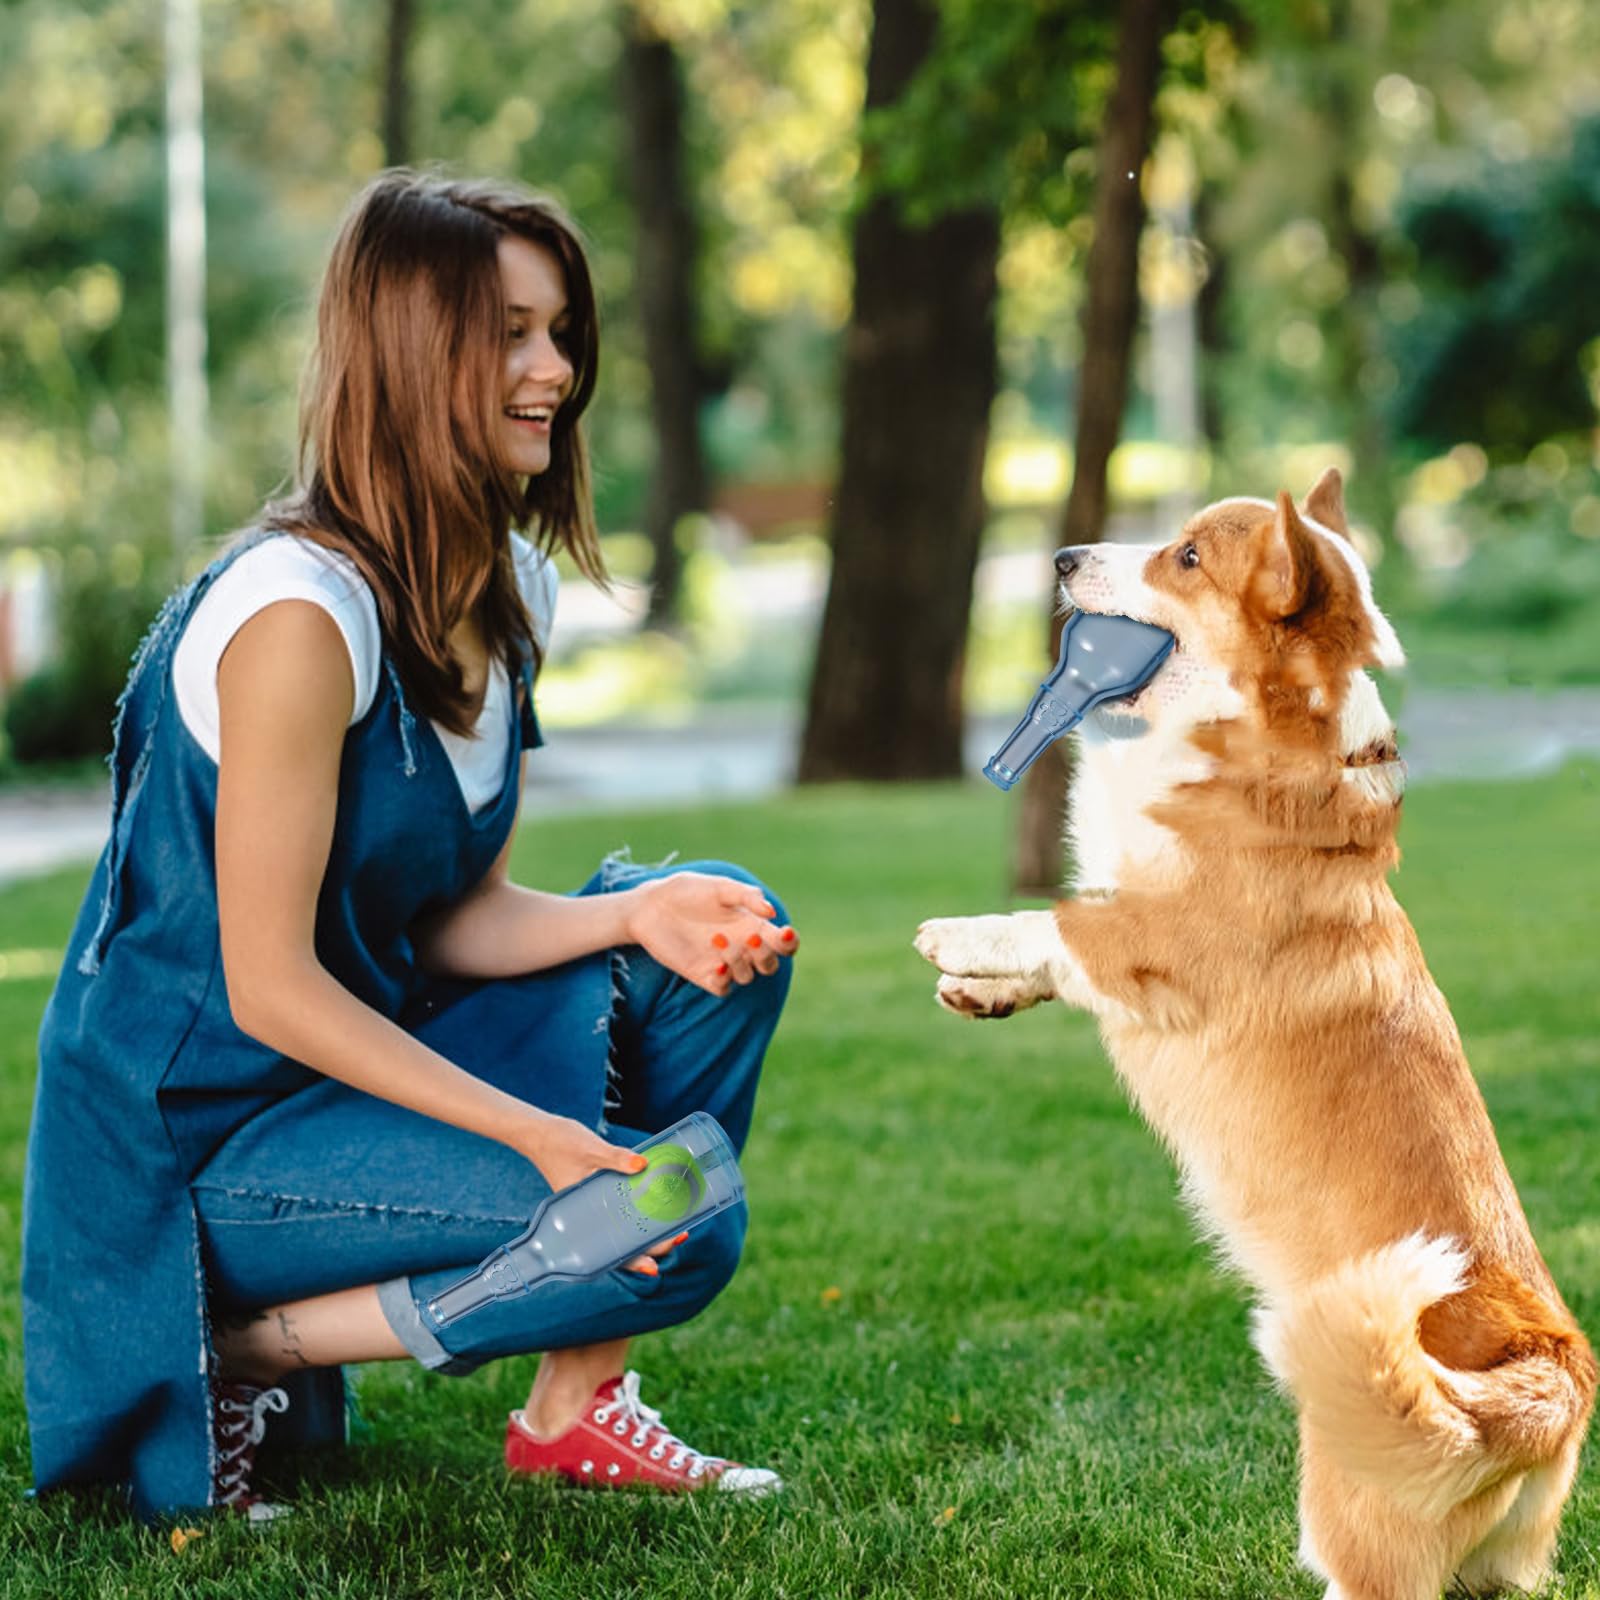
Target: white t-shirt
(289, 568)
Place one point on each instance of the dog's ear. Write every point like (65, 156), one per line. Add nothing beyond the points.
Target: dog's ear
(1325, 503)
(1286, 563)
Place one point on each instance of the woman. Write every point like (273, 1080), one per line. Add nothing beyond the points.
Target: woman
(312, 1055)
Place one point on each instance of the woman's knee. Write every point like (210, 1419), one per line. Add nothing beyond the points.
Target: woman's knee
(704, 1264)
(617, 1305)
(767, 991)
(729, 869)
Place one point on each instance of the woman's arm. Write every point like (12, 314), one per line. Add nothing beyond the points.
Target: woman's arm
(500, 929)
(284, 694)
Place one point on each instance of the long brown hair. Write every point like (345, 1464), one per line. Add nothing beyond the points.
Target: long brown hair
(400, 469)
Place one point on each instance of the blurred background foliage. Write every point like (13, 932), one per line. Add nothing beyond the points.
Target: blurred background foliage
(1380, 218)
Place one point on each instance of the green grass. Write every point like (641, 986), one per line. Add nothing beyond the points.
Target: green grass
(1031, 1380)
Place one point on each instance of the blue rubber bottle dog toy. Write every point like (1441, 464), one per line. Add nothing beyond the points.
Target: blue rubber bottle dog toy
(608, 1218)
(1102, 658)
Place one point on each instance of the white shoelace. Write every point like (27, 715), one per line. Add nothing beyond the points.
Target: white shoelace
(237, 1440)
(631, 1409)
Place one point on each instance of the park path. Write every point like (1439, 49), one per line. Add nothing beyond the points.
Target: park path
(725, 754)
(1492, 733)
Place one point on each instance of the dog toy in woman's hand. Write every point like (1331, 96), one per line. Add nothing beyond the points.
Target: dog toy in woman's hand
(1102, 658)
(608, 1218)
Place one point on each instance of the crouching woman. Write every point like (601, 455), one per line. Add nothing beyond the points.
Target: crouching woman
(312, 1054)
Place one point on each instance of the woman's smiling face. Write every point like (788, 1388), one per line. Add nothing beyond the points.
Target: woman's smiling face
(537, 375)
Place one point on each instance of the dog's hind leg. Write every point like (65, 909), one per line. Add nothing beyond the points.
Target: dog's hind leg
(1367, 1547)
(1516, 1554)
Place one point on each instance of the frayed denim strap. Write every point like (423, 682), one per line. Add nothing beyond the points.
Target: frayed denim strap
(129, 761)
(408, 721)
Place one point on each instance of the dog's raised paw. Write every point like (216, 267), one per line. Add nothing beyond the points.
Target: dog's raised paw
(927, 939)
(962, 945)
(977, 997)
(991, 946)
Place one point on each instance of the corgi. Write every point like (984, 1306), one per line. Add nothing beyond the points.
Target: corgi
(1265, 1001)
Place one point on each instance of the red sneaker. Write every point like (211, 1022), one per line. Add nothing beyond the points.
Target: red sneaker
(238, 1423)
(620, 1441)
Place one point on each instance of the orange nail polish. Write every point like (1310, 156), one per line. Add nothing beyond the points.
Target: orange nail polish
(719, 941)
(650, 1270)
(722, 969)
(787, 934)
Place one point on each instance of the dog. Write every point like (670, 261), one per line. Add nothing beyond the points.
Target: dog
(1265, 1001)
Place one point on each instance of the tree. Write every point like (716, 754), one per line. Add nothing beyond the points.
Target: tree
(667, 245)
(920, 371)
(1344, 88)
(397, 83)
(1497, 351)
(1110, 317)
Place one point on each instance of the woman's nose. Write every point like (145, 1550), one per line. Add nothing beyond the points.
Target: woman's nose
(552, 364)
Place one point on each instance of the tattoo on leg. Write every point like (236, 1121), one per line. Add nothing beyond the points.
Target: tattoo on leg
(290, 1335)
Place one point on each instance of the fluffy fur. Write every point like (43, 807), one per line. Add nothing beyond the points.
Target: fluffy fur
(1264, 999)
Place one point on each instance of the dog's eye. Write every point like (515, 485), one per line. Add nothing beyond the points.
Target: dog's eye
(1189, 556)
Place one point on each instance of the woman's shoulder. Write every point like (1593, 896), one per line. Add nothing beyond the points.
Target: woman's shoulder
(282, 558)
(265, 570)
(289, 566)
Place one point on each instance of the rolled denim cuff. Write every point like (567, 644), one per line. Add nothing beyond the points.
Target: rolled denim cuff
(400, 1308)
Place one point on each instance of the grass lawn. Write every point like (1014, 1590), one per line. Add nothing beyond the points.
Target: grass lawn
(972, 1327)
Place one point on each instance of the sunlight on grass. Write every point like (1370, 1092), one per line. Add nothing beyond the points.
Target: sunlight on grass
(29, 964)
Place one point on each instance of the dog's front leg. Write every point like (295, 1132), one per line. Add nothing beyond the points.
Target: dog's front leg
(995, 965)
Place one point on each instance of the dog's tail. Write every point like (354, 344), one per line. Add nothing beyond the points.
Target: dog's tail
(1357, 1352)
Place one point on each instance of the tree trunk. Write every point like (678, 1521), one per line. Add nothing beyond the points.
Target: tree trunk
(886, 691)
(1110, 317)
(667, 244)
(1358, 341)
(188, 394)
(1209, 311)
(397, 84)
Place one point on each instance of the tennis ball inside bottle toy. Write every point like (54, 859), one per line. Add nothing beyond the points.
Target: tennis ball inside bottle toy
(690, 1174)
(670, 1187)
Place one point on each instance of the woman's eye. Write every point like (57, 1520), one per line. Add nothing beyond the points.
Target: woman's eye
(516, 332)
(1189, 556)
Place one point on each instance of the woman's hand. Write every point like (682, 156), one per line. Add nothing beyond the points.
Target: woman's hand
(566, 1152)
(713, 931)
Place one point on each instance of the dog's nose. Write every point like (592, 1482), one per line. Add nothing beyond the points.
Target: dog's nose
(1068, 561)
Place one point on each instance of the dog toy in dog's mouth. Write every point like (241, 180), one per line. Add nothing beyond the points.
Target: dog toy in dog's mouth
(1102, 658)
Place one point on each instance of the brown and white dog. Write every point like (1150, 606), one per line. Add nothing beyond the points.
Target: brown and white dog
(1265, 1001)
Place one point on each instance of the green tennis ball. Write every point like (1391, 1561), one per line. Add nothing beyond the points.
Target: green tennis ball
(671, 1186)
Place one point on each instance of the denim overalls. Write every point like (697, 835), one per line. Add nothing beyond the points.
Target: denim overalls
(177, 1165)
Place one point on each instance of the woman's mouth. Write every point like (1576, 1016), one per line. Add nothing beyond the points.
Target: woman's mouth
(536, 419)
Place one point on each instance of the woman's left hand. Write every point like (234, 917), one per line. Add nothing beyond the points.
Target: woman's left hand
(713, 931)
